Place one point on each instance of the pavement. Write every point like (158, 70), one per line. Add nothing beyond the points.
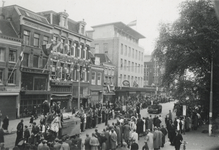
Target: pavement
(196, 140)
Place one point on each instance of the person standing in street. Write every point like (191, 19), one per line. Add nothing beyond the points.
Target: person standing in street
(150, 140)
(113, 140)
(0, 117)
(178, 140)
(20, 129)
(170, 115)
(5, 123)
(87, 142)
(94, 143)
(26, 134)
(1, 138)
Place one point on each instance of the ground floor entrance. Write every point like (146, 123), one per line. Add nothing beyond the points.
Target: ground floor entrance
(8, 106)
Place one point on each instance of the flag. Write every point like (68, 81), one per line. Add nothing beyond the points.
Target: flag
(47, 48)
(133, 23)
(21, 57)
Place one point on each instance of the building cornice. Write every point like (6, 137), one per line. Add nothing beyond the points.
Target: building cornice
(10, 40)
(74, 33)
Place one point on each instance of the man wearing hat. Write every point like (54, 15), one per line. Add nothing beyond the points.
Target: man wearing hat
(57, 144)
(43, 145)
(64, 146)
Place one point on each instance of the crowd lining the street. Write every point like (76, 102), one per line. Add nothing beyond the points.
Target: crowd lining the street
(121, 135)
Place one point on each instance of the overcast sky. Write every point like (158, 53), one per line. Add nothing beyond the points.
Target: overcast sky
(148, 13)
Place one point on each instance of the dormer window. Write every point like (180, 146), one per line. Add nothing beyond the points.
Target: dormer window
(63, 19)
(82, 27)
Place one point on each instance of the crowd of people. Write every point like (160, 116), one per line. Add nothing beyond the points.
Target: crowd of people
(123, 134)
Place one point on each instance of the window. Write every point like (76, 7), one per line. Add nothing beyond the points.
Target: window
(40, 83)
(26, 37)
(133, 66)
(125, 64)
(124, 77)
(93, 78)
(73, 49)
(125, 50)
(105, 71)
(1, 75)
(45, 40)
(129, 78)
(133, 53)
(121, 48)
(62, 46)
(53, 69)
(136, 54)
(44, 62)
(105, 47)
(97, 48)
(128, 67)
(2, 54)
(82, 29)
(129, 52)
(11, 76)
(36, 40)
(62, 71)
(121, 63)
(110, 73)
(113, 72)
(35, 61)
(99, 77)
(12, 55)
(25, 61)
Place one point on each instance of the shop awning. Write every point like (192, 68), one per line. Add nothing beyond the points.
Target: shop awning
(36, 92)
(110, 93)
(8, 94)
(61, 95)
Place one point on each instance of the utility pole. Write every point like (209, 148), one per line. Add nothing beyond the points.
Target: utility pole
(211, 99)
(79, 86)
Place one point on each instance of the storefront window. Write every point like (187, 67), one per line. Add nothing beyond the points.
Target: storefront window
(40, 83)
(93, 78)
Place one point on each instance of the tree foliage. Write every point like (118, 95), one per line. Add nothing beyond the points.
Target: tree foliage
(189, 44)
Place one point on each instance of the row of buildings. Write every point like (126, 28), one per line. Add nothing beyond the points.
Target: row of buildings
(98, 66)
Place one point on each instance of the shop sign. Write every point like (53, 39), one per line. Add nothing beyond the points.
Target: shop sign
(126, 83)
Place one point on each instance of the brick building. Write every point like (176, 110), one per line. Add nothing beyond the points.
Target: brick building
(10, 49)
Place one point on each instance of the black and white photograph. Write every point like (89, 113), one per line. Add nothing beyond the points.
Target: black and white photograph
(109, 74)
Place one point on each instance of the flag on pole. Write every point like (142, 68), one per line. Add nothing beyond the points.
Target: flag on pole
(47, 48)
(133, 23)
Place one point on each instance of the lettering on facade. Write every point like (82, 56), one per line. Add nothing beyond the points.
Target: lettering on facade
(36, 26)
(126, 83)
(34, 71)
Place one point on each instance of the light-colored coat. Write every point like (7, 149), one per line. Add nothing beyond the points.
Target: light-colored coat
(150, 140)
(113, 140)
(157, 139)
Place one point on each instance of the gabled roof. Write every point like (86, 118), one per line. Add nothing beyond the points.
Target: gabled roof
(124, 28)
(7, 29)
(30, 14)
(103, 58)
(72, 25)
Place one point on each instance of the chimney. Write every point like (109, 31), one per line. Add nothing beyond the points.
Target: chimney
(1, 11)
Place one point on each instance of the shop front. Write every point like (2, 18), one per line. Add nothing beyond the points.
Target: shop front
(8, 104)
(29, 99)
(96, 97)
(108, 95)
(61, 91)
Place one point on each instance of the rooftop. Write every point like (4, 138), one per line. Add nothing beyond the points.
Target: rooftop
(103, 58)
(123, 27)
(7, 29)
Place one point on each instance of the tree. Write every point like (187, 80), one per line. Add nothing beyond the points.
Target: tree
(189, 45)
